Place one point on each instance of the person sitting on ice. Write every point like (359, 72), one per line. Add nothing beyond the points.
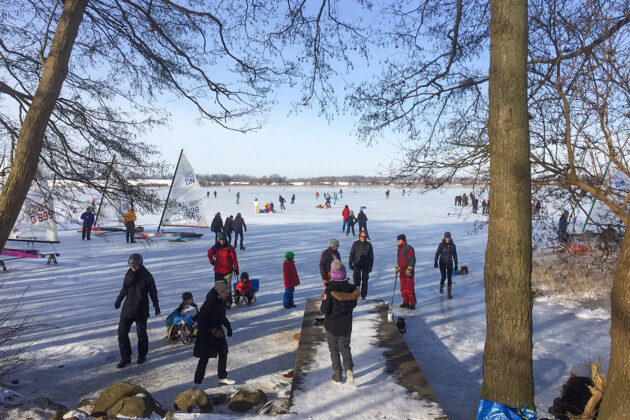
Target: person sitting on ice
(186, 311)
(244, 289)
(575, 393)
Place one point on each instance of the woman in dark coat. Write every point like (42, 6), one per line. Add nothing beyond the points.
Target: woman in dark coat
(446, 260)
(210, 341)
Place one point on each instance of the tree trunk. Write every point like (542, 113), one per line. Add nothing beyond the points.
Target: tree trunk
(507, 362)
(615, 403)
(33, 129)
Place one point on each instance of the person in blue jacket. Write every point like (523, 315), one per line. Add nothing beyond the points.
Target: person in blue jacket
(88, 221)
(447, 256)
(563, 226)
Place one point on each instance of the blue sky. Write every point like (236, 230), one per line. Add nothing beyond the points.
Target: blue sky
(297, 145)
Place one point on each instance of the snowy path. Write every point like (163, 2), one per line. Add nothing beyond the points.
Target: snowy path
(74, 347)
(375, 393)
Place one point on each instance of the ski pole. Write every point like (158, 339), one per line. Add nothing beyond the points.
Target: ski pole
(391, 302)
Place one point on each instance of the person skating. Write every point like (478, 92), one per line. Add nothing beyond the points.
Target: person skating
(362, 220)
(216, 226)
(293, 199)
(350, 221)
(215, 193)
(406, 264)
(291, 280)
(137, 287)
(211, 341)
(130, 225)
(360, 262)
(238, 197)
(228, 228)
(338, 302)
(344, 214)
(325, 260)
(282, 200)
(244, 289)
(88, 221)
(239, 225)
(446, 260)
(223, 258)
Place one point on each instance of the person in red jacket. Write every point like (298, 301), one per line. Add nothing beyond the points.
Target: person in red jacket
(291, 279)
(244, 289)
(223, 257)
(345, 213)
(406, 264)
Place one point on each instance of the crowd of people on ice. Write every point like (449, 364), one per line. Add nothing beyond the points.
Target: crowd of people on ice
(211, 326)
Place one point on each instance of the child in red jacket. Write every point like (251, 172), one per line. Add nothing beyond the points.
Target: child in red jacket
(244, 289)
(291, 279)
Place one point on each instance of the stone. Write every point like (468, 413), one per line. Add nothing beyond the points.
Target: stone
(69, 414)
(245, 399)
(86, 405)
(188, 400)
(125, 399)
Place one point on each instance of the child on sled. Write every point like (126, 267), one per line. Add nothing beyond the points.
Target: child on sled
(244, 289)
(182, 321)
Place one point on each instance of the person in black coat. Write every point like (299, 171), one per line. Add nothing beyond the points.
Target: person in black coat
(282, 200)
(325, 260)
(350, 221)
(362, 220)
(238, 225)
(338, 302)
(360, 262)
(446, 255)
(216, 226)
(210, 341)
(228, 228)
(138, 286)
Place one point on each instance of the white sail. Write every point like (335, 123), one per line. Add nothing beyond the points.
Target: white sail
(36, 221)
(185, 205)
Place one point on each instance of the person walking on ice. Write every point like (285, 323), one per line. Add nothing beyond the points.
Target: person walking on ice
(137, 287)
(344, 214)
(405, 266)
(130, 225)
(255, 205)
(338, 302)
(211, 341)
(446, 260)
(238, 225)
(362, 220)
(223, 258)
(360, 262)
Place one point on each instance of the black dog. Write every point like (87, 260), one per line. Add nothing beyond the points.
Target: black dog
(400, 323)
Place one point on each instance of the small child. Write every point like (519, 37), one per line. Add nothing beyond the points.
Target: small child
(244, 289)
(291, 279)
(186, 312)
(337, 305)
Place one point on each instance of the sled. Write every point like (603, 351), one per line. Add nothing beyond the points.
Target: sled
(462, 271)
(176, 235)
(255, 285)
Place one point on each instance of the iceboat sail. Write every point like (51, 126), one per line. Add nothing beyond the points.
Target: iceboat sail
(36, 221)
(185, 206)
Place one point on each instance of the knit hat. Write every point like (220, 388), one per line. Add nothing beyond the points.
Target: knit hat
(337, 270)
(244, 275)
(333, 243)
(221, 287)
(447, 235)
(288, 255)
(582, 370)
(402, 237)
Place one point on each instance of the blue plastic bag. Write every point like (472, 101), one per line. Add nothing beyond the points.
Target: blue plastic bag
(489, 410)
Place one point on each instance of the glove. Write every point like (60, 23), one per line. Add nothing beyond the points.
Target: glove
(117, 304)
(455, 267)
(218, 333)
(236, 273)
(229, 331)
(157, 310)
(409, 272)
(396, 269)
(435, 265)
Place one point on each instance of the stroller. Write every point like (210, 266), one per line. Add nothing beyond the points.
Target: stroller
(180, 325)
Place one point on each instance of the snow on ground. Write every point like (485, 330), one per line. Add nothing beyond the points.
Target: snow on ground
(73, 343)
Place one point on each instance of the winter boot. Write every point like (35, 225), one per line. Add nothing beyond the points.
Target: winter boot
(404, 305)
(141, 360)
(123, 363)
(349, 377)
(226, 381)
(336, 378)
(441, 288)
(450, 296)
